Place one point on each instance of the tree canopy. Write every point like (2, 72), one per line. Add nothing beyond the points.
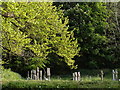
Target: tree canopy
(58, 35)
(32, 31)
(90, 23)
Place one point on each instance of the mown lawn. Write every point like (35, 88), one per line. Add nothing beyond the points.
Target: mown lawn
(60, 84)
(13, 80)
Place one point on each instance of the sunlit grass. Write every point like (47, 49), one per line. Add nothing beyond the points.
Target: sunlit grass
(8, 75)
(61, 84)
(14, 80)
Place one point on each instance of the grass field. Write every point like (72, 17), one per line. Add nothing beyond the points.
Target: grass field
(88, 80)
(60, 84)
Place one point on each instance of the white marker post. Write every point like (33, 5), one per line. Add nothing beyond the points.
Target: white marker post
(113, 72)
(40, 74)
(116, 74)
(34, 74)
(90, 77)
(78, 76)
(101, 75)
(31, 74)
(37, 73)
(75, 76)
(48, 73)
(28, 76)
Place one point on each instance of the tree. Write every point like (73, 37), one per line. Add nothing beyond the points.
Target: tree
(13, 40)
(88, 20)
(41, 29)
(113, 33)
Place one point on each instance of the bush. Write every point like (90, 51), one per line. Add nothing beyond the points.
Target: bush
(8, 75)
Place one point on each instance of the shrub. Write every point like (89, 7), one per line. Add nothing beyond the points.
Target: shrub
(8, 75)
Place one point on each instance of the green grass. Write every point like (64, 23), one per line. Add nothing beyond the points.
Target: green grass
(13, 80)
(60, 84)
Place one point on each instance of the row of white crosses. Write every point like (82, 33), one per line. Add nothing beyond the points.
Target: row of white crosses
(115, 74)
(37, 74)
(77, 76)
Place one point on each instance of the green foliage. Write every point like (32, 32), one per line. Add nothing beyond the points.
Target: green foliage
(32, 31)
(113, 33)
(88, 21)
(8, 75)
(37, 34)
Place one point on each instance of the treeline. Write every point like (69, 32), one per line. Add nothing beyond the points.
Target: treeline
(60, 35)
(96, 26)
